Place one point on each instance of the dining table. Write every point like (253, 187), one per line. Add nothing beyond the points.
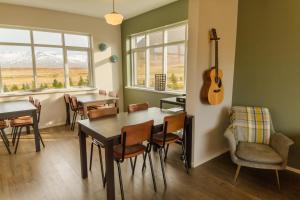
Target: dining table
(13, 109)
(108, 132)
(95, 99)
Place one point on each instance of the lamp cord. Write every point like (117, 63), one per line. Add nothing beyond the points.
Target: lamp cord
(113, 5)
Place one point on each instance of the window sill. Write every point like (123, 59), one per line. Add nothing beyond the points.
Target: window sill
(50, 91)
(155, 91)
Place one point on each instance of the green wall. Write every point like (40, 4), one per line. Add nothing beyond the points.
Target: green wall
(267, 67)
(169, 14)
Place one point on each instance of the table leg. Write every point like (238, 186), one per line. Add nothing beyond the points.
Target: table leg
(161, 104)
(110, 178)
(82, 147)
(36, 131)
(188, 140)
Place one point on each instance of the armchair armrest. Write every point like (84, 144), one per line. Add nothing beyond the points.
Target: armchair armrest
(231, 140)
(281, 144)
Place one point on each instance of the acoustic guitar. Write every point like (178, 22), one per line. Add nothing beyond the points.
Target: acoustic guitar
(213, 90)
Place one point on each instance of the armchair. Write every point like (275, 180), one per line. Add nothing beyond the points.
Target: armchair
(273, 156)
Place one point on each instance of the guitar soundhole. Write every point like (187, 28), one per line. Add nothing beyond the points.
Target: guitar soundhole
(217, 91)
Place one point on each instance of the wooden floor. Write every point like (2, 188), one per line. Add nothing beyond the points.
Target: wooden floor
(54, 173)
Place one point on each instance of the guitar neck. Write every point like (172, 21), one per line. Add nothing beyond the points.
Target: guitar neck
(217, 56)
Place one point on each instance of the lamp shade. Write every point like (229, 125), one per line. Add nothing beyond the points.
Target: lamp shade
(114, 18)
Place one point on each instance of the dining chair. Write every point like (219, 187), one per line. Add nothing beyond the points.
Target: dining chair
(94, 115)
(14, 130)
(67, 103)
(137, 107)
(27, 122)
(3, 126)
(76, 110)
(31, 99)
(132, 138)
(172, 125)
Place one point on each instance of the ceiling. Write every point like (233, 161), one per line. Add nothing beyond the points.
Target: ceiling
(94, 8)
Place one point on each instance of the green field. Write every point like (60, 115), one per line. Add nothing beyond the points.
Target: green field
(21, 79)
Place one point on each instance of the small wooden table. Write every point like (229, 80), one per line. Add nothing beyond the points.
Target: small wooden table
(12, 109)
(108, 131)
(94, 99)
(173, 101)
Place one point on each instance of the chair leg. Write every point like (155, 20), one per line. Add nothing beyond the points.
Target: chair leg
(152, 172)
(133, 164)
(237, 173)
(162, 166)
(14, 135)
(5, 137)
(91, 155)
(18, 138)
(101, 165)
(5, 140)
(144, 161)
(277, 178)
(42, 141)
(166, 152)
(120, 180)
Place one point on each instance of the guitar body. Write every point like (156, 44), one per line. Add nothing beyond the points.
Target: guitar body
(215, 94)
(213, 90)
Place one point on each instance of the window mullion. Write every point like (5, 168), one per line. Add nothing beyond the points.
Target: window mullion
(165, 69)
(66, 68)
(33, 61)
(1, 83)
(147, 66)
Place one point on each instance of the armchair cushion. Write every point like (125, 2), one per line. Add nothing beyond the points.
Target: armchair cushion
(259, 153)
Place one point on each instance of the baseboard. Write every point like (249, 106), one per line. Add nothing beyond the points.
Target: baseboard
(52, 125)
(207, 159)
(297, 171)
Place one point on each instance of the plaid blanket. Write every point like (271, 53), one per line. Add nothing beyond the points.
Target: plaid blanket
(251, 124)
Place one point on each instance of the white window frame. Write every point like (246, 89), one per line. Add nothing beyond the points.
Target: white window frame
(65, 48)
(163, 45)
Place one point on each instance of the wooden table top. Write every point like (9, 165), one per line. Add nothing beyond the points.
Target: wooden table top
(16, 106)
(90, 98)
(111, 127)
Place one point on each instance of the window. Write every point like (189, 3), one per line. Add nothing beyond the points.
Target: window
(159, 51)
(37, 59)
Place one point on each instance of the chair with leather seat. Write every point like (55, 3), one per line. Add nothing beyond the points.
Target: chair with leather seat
(132, 138)
(172, 125)
(25, 121)
(94, 115)
(272, 155)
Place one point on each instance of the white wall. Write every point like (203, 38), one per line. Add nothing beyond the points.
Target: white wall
(210, 121)
(107, 75)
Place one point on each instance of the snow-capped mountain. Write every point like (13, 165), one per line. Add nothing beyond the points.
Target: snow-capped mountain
(11, 58)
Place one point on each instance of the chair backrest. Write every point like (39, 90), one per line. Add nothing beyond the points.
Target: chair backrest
(136, 134)
(38, 105)
(102, 92)
(138, 107)
(113, 94)
(174, 123)
(67, 98)
(73, 103)
(31, 99)
(102, 112)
